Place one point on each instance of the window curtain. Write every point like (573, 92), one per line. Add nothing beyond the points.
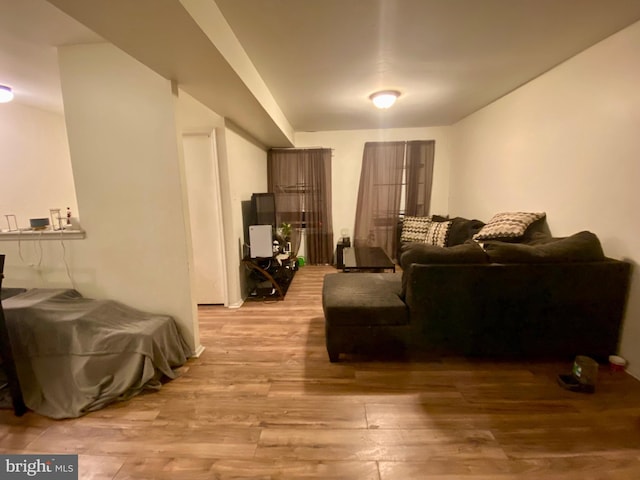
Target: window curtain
(379, 195)
(389, 170)
(301, 182)
(419, 177)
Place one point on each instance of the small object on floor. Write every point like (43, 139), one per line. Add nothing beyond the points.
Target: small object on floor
(570, 382)
(583, 375)
(617, 363)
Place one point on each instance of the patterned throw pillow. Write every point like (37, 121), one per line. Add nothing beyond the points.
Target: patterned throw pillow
(414, 229)
(438, 233)
(507, 225)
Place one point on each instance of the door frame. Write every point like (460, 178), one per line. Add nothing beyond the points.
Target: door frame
(215, 180)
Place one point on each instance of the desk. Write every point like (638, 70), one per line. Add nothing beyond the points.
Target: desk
(366, 259)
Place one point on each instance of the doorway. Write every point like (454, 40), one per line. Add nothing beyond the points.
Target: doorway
(205, 213)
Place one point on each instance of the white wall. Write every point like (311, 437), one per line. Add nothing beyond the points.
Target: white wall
(35, 167)
(243, 171)
(193, 117)
(348, 147)
(566, 143)
(35, 175)
(129, 180)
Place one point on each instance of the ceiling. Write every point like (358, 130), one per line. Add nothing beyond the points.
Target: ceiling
(319, 59)
(449, 58)
(30, 31)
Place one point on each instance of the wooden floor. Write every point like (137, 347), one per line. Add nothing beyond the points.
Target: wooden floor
(263, 402)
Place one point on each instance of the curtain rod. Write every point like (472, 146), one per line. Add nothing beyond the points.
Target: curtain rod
(373, 142)
(303, 148)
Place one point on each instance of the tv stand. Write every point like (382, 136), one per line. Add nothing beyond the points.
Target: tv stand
(271, 276)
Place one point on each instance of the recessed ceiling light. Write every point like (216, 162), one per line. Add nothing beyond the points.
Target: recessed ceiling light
(6, 94)
(384, 98)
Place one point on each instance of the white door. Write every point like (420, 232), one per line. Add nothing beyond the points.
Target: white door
(203, 193)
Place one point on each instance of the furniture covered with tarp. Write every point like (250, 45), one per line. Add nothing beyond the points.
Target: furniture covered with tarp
(74, 355)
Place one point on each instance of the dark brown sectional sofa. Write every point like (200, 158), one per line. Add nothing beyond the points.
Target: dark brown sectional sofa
(540, 298)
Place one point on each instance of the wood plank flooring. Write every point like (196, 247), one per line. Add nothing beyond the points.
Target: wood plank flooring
(263, 402)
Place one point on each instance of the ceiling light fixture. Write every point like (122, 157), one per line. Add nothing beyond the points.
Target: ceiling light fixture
(384, 98)
(6, 94)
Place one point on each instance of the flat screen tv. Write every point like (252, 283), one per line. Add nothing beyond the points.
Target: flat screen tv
(264, 209)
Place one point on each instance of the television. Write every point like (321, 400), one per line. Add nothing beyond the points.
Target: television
(264, 209)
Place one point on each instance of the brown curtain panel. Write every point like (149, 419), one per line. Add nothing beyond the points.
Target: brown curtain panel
(419, 177)
(381, 185)
(379, 195)
(301, 182)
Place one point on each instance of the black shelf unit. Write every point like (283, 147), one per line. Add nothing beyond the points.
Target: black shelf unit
(270, 278)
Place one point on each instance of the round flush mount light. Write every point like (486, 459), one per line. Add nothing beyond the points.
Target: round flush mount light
(6, 94)
(384, 98)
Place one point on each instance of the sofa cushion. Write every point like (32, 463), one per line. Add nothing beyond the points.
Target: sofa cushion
(537, 238)
(508, 225)
(462, 229)
(414, 229)
(468, 252)
(367, 299)
(580, 247)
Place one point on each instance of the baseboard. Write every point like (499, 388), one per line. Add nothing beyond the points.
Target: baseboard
(198, 352)
(236, 305)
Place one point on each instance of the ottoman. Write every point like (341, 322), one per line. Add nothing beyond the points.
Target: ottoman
(363, 312)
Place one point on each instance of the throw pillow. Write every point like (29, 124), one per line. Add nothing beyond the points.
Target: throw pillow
(438, 233)
(580, 247)
(414, 229)
(462, 229)
(507, 225)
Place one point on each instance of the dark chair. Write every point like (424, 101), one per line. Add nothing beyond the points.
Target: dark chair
(6, 355)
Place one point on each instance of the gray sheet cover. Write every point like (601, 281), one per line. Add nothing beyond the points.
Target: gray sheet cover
(75, 355)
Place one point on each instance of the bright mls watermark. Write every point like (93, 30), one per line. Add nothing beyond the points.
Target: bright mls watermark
(52, 467)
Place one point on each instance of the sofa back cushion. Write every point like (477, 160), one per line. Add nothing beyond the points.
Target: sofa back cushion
(580, 247)
(462, 229)
(423, 253)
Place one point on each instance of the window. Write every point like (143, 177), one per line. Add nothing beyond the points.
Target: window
(301, 182)
(395, 179)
